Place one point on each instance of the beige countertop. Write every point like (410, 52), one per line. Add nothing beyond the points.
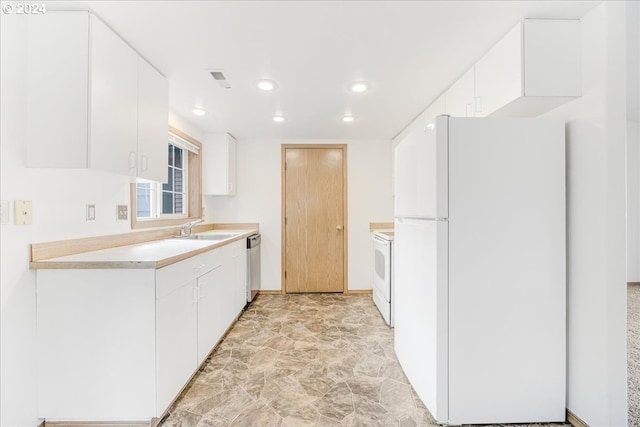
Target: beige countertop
(154, 254)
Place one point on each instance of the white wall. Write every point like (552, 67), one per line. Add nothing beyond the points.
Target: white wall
(596, 293)
(633, 201)
(185, 126)
(633, 142)
(258, 199)
(59, 198)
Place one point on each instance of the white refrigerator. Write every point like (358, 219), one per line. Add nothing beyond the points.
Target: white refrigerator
(480, 322)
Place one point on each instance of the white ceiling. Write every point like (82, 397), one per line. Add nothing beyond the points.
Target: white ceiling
(410, 51)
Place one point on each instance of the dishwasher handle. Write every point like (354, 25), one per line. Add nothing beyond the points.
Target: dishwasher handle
(253, 241)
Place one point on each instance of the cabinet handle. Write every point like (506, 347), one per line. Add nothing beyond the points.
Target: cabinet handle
(478, 104)
(200, 292)
(132, 160)
(144, 163)
(194, 294)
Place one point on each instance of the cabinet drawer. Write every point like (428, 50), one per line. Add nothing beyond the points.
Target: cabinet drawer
(171, 277)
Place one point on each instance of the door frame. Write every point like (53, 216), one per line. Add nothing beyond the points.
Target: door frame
(283, 195)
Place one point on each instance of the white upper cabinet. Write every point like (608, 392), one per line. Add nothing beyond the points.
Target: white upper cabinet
(498, 75)
(113, 112)
(460, 97)
(552, 59)
(58, 90)
(219, 165)
(153, 122)
(93, 102)
(533, 69)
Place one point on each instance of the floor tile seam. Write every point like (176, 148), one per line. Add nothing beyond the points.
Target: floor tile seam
(353, 403)
(413, 398)
(202, 415)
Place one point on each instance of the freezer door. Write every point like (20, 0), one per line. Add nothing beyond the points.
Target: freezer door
(421, 172)
(421, 317)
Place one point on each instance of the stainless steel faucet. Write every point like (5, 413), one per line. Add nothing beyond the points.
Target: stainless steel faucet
(189, 226)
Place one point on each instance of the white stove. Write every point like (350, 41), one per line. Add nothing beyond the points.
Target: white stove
(382, 273)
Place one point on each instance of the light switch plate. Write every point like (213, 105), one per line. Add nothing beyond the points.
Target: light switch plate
(91, 212)
(4, 212)
(123, 212)
(22, 212)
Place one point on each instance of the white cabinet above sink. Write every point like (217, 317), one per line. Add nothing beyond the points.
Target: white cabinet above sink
(219, 165)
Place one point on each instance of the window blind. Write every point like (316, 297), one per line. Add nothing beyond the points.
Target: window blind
(179, 142)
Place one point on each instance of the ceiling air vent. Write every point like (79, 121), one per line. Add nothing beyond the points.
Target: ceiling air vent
(220, 78)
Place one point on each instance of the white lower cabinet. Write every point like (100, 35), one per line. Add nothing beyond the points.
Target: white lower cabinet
(176, 335)
(211, 301)
(229, 277)
(240, 273)
(96, 344)
(120, 344)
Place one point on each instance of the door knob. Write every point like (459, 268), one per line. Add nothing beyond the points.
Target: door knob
(339, 227)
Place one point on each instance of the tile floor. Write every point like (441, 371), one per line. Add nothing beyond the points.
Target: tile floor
(633, 354)
(303, 360)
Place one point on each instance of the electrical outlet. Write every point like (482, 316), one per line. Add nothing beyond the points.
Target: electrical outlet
(22, 212)
(4, 212)
(91, 212)
(123, 212)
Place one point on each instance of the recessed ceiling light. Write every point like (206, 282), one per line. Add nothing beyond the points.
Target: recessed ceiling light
(266, 85)
(359, 87)
(348, 119)
(198, 111)
(278, 119)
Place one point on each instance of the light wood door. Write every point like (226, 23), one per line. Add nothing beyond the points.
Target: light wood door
(314, 240)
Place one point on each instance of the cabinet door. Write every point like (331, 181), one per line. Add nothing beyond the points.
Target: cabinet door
(460, 96)
(232, 161)
(240, 264)
(211, 324)
(219, 165)
(498, 74)
(176, 333)
(552, 59)
(57, 90)
(113, 121)
(153, 123)
(227, 289)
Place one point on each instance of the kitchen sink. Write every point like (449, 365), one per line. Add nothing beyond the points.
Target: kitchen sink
(211, 236)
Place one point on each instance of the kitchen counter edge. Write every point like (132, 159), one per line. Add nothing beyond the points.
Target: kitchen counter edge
(66, 265)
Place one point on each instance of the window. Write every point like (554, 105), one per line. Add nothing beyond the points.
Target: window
(154, 200)
(174, 194)
(179, 198)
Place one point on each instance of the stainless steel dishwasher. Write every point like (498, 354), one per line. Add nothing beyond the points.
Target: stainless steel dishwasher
(253, 266)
